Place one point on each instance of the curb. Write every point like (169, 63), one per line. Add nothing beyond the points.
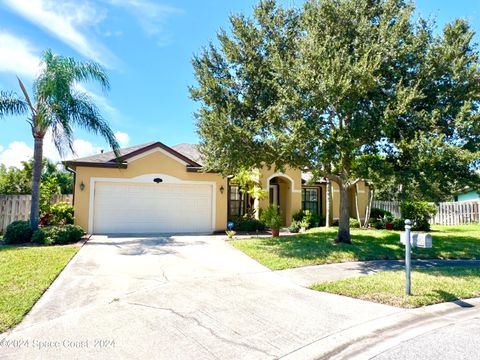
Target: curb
(365, 340)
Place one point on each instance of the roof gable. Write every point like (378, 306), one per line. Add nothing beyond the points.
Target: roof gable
(131, 153)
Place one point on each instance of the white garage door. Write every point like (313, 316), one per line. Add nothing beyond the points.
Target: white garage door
(152, 208)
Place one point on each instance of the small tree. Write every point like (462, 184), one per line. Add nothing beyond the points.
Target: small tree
(326, 86)
(57, 106)
(249, 184)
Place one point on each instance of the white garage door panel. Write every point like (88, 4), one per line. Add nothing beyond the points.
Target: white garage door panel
(152, 208)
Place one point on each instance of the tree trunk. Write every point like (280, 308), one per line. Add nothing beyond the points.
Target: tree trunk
(343, 235)
(328, 204)
(371, 195)
(36, 175)
(357, 210)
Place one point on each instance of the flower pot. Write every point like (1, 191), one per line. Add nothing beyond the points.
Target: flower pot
(389, 226)
(275, 232)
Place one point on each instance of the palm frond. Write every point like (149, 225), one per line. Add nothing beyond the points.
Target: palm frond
(61, 106)
(90, 71)
(67, 71)
(11, 104)
(86, 115)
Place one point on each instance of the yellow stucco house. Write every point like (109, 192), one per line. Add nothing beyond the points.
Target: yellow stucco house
(155, 188)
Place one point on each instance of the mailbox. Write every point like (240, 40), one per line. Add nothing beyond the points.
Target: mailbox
(413, 238)
(424, 240)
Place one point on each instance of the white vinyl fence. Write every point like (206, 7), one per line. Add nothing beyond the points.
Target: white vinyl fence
(17, 207)
(448, 213)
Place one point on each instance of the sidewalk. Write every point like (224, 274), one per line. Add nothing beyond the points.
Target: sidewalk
(309, 275)
(371, 338)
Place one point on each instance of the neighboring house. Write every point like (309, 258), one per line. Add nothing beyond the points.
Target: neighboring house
(468, 196)
(156, 188)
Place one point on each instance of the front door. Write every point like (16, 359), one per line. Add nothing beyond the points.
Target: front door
(273, 194)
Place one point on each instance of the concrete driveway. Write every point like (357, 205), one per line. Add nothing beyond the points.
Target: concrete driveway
(179, 297)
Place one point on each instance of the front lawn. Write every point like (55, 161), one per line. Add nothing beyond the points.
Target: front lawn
(429, 286)
(317, 246)
(25, 273)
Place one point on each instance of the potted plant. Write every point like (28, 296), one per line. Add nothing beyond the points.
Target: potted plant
(304, 225)
(294, 227)
(272, 218)
(387, 221)
(230, 233)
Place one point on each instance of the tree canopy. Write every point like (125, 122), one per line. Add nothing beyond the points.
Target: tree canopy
(347, 89)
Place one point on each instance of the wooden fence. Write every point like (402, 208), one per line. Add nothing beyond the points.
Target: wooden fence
(448, 213)
(392, 206)
(17, 207)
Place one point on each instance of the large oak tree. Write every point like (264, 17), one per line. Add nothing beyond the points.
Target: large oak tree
(346, 89)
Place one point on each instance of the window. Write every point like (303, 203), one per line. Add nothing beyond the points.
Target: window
(236, 206)
(310, 200)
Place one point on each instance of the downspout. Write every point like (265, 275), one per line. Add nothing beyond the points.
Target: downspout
(70, 170)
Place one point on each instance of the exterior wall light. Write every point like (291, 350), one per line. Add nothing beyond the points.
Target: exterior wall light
(82, 186)
(222, 189)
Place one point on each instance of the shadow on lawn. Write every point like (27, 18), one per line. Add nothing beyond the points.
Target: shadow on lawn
(448, 297)
(371, 245)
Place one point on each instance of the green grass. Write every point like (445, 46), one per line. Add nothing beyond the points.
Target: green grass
(25, 273)
(429, 286)
(317, 246)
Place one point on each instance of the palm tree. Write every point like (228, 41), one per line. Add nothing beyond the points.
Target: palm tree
(58, 105)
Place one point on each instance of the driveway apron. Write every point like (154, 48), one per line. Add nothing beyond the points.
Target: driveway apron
(177, 297)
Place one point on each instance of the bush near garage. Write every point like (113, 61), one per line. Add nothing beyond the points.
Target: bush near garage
(62, 214)
(58, 235)
(18, 232)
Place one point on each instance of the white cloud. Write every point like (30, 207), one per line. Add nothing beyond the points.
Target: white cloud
(15, 153)
(18, 56)
(19, 151)
(101, 101)
(122, 138)
(81, 148)
(67, 20)
(150, 15)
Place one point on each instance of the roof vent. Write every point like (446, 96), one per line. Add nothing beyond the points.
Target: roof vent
(101, 151)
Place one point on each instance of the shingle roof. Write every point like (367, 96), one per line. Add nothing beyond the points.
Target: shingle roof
(190, 151)
(186, 152)
(109, 156)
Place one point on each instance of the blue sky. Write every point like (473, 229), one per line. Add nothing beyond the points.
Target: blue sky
(146, 47)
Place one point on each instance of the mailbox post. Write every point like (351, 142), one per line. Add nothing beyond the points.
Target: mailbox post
(407, 255)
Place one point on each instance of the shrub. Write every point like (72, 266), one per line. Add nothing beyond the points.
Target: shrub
(379, 217)
(313, 220)
(419, 212)
(376, 213)
(271, 217)
(335, 222)
(354, 223)
(62, 214)
(399, 224)
(58, 235)
(298, 216)
(247, 223)
(48, 188)
(18, 232)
